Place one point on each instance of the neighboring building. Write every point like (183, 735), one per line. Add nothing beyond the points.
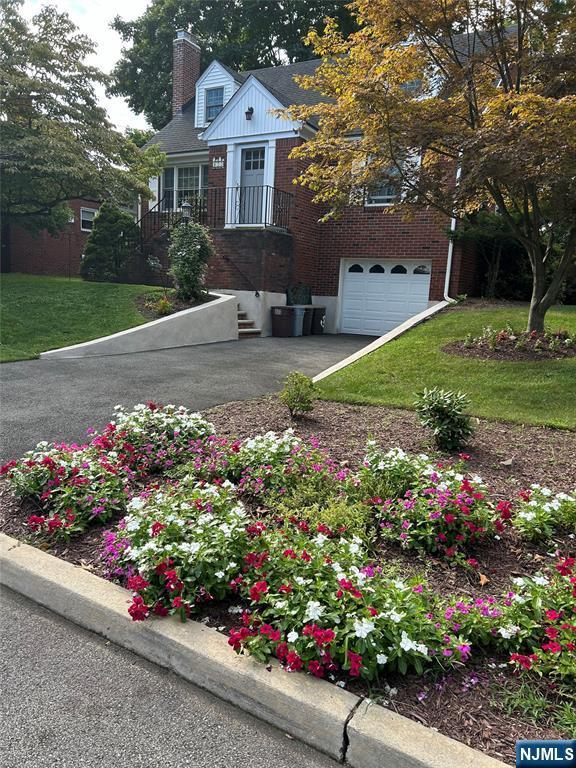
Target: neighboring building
(228, 155)
(44, 254)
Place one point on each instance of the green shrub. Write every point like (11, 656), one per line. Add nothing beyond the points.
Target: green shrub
(298, 394)
(109, 245)
(160, 305)
(442, 411)
(190, 249)
(339, 515)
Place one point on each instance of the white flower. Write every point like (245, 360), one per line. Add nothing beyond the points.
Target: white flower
(292, 636)
(219, 575)
(508, 632)
(320, 539)
(518, 580)
(527, 516)
(381, 658)
(190, 548)
(363, 627)
(540, 580)
(135, 503)
(394, 616)
(313, 611)
(410, 645)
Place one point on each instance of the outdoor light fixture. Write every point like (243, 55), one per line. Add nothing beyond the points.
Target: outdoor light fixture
(249, 113)
(186, 212)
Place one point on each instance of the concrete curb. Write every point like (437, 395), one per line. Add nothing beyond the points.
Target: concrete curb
(320, 714)
(213, 321)
(390, 336)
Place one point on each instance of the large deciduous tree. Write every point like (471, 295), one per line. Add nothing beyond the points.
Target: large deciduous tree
(470, 103)
(56, 142)
(244, 34)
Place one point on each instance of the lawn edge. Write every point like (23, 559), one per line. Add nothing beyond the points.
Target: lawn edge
(314, 711)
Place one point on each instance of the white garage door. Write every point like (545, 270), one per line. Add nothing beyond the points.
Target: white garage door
(379, 295)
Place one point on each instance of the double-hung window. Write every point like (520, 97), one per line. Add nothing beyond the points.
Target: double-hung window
(388, 192)
(214, 103)
(183, 183)
(87, 216)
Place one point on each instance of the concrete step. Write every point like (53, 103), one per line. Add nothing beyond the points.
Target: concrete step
(249, 333)
(242, 315)
(246, 323)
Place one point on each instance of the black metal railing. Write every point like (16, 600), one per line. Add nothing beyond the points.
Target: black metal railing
(215, 207)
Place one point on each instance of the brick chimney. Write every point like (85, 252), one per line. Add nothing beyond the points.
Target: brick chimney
(185, 69)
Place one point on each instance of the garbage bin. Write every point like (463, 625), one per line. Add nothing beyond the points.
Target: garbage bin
(318, 319)
(307, 324)
(299, 314)
(283, 321)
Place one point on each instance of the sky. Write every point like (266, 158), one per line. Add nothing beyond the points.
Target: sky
(93, 19)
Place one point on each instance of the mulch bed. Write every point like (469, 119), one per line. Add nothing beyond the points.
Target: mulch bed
(507, 351)
(466, 703)
(178, 305)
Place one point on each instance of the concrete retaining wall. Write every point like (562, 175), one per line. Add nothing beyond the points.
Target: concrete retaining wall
(214, 321)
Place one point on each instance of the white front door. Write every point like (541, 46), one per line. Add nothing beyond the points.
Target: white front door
(378, 295)
(252, 195)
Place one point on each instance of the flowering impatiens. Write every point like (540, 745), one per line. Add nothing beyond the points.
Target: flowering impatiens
(539, 513)
(77, 485)
(294, 539)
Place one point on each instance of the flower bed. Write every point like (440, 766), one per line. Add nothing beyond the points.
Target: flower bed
(330, 567)
(509, 344)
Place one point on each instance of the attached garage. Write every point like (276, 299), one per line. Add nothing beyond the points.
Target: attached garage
(378, 295)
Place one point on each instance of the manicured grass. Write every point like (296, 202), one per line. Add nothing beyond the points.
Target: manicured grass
(540, 392)
(39, 313)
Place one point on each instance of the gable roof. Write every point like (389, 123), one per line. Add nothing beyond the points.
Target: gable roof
(280, 82)
(180, 134)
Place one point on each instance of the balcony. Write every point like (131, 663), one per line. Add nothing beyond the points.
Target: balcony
(223, 207)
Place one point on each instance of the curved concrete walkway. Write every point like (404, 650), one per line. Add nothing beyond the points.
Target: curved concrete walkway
(58, 399)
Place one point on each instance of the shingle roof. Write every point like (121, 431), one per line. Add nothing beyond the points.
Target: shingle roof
(180, 135)
(280, 81)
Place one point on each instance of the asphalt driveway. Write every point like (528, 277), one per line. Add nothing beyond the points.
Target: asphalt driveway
(58, 399)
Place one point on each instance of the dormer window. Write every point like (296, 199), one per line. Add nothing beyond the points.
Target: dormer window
(214, 103)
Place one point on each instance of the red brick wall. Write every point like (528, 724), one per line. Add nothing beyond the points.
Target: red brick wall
(366, 232)
(250, 260)
(46, 255)
(185, 72)
(304, 217)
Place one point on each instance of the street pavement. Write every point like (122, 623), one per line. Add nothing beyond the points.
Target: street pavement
(70, 699)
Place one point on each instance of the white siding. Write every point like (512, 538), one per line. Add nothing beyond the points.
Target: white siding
(233, 124)
(214, 77)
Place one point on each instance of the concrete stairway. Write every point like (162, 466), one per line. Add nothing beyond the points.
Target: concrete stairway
(246, 327)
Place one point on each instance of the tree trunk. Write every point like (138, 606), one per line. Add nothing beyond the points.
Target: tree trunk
(536, 318)
(537, 308)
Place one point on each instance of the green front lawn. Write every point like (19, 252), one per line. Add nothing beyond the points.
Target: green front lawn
(540, 392)
(39, 313)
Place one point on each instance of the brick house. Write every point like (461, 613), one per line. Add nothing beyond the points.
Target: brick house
(46, 254)
(228, 156)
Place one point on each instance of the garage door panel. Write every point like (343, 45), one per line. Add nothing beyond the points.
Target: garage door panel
(376, 302)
